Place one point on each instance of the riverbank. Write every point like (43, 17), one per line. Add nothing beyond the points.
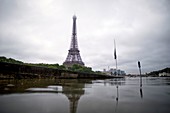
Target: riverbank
(22, 71)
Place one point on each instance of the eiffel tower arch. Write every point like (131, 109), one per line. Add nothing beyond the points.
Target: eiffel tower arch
(73, 56)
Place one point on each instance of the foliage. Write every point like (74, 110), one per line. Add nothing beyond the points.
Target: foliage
(9, 60)
(55, 66)
(98, 72)
(75, 67)
(80, 68)
(156, 73)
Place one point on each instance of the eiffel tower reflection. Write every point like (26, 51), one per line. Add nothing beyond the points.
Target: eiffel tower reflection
(73, 89)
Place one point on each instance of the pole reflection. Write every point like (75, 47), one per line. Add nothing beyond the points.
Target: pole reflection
(141, 93)
(117, 82)
(117, 98)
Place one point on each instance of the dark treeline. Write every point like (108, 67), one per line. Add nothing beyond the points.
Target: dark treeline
(156, 73)
(10, 60)
(75, 67)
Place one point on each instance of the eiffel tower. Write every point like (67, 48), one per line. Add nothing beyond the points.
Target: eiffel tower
(73, 56)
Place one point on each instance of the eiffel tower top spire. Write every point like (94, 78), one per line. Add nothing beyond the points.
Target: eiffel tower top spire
(73, 56)
(74, 44)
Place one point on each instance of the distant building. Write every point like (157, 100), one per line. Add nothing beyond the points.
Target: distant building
(163, 74)
(112, 71)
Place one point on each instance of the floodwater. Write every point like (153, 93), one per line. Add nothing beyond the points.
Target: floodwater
(85, 96)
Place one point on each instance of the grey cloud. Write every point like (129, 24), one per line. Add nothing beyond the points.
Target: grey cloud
(40, 31)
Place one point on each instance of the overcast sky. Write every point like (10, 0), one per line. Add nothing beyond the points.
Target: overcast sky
(39, 31)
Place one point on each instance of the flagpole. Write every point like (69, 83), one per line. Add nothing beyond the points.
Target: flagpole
(115, 56)
(116, 68)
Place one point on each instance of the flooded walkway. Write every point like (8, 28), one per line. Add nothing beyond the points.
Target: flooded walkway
(85, 96)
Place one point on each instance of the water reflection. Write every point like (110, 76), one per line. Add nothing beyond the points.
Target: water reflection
(117, 98)
(141, 92)
(73, 89)
(84, 96)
